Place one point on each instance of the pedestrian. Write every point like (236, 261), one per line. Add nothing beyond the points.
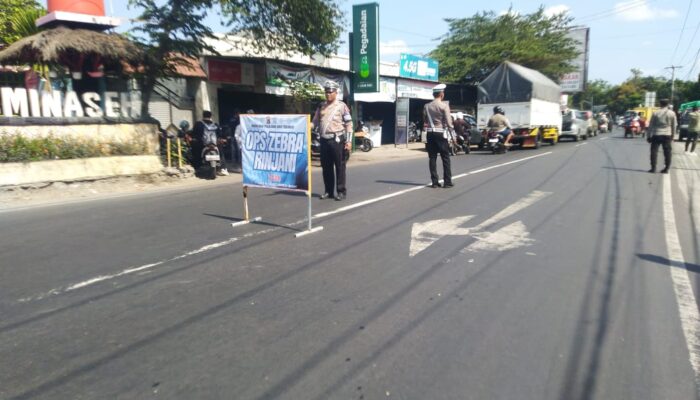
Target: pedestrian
(334, 124)
(662, 127)
(204, 132)
(693, 128)
(437, 123)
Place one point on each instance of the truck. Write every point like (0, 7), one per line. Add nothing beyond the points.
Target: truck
(530, 101)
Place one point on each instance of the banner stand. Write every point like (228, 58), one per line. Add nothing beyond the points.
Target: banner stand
(246, 216)
(309, 229)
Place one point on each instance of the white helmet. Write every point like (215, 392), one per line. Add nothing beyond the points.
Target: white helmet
(460, 115)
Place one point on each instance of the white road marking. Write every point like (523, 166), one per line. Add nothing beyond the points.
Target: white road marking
(507, 238)
(424, 234)
(687, 307)
(581, 144)
(102, 278)
(605, 138)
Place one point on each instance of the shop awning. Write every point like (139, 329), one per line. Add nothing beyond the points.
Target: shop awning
(386, 94)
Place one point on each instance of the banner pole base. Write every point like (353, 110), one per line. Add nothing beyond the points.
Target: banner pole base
(307, 232)
(244, 222)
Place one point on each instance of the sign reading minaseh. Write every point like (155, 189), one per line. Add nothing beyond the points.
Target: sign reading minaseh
(365, 47)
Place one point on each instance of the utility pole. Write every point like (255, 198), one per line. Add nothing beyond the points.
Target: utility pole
(673, 79)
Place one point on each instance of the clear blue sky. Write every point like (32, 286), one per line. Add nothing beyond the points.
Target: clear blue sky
(644, 34)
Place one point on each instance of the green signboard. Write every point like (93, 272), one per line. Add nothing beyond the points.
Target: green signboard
(365, 47)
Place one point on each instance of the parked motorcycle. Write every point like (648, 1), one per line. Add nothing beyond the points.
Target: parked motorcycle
(362, 139)
(414, 134)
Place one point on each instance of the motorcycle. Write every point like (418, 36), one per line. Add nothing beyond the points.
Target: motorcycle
(414, 134)
(210, 154)
(632, 128)
(602, 125)
(496, 142)
(362, 139)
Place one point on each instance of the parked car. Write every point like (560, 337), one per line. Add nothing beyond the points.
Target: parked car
(574, 125)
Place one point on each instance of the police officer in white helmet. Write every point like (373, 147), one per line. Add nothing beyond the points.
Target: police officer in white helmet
(437, 121)
(334, 124)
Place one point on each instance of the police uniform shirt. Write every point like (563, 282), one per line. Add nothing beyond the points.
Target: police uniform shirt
(334, 119)
(439, 112)
(663, 123)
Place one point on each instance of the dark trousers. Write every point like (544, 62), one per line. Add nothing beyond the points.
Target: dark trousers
(437, 144)
(691, 138)
(333, 164)
(665, 143)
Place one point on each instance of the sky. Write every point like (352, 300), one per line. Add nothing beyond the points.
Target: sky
(650, 35)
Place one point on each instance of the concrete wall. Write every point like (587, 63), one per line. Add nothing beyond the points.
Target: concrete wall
(14, 174)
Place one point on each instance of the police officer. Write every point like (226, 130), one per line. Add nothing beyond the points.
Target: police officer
(662, 127)
(437, 120)
(334, 124)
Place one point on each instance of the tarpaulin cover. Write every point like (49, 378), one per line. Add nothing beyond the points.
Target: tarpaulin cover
(510, 83)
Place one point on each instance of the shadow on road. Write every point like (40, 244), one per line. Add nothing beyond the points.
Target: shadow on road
(670, 263)
(235, 219)
(626, 169)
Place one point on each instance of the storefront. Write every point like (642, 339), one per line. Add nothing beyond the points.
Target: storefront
(377, 111)
(417, 94)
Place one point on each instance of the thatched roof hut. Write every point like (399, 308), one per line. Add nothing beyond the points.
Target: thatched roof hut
(67, 46)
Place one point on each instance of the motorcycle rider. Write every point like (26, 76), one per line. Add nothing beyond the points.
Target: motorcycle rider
(460, 129)
(500, 124)
(204, 132)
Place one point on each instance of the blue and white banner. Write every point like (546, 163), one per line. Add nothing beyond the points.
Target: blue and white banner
(275, 151)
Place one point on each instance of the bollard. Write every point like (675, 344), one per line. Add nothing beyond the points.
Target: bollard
(179, 153)
(167, 144)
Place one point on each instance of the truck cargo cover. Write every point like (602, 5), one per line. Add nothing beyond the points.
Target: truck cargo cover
(511, 83)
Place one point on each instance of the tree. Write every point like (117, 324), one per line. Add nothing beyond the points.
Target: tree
(17, 19)
(175, 31)
(475, 46)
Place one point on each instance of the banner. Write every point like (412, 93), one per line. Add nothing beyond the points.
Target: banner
(233, 72)
(365, 47)
(575, 81)
(416, 67)
(275, 151)
(280, 76)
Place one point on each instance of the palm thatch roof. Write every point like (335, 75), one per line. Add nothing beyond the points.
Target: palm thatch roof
(62, 45)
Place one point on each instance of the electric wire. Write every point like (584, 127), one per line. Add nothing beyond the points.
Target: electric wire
(680, 37)
(614, 11)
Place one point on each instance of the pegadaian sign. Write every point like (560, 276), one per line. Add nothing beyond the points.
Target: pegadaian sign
(20, 102)
(365, 47)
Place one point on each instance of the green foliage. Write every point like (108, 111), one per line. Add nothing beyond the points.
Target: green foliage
(305, 93)
(178, 28)
(17, 19)
(19, 148)
(475, 46)
(630, 93)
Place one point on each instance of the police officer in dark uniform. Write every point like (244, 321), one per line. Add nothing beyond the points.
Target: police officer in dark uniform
(334, 124)
(437, 121)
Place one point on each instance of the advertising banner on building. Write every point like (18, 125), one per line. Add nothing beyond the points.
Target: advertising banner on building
(280, 76)
(575, 81)
(414, 89)
(275, 151)
(232, 72)
(416, 67)
(386, 93)
(365, 47)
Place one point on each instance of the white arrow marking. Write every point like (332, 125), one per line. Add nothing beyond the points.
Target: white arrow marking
(507, 238)
(424, 234)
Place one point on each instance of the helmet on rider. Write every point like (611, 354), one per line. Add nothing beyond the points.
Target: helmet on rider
(498, 110)
(460, 115)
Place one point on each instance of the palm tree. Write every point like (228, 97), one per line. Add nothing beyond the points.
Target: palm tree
(22, 24)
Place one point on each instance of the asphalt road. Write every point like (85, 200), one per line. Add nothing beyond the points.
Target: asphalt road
(566, 272)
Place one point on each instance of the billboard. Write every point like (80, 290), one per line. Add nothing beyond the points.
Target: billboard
(416, 67)
(365, 47)
(575, 81)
